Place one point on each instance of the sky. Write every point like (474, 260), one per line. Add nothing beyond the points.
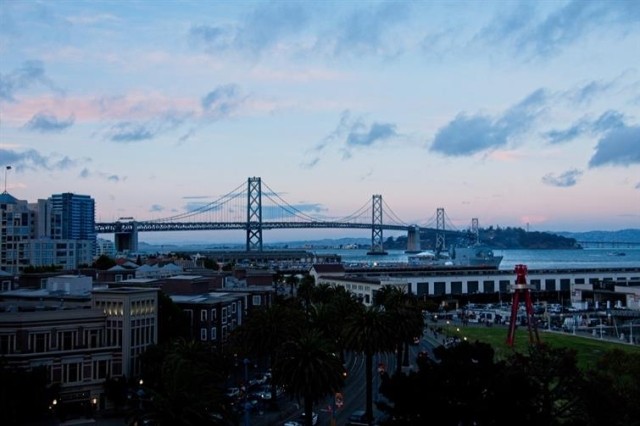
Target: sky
(517, 113)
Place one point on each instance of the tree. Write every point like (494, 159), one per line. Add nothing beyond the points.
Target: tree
(264, 332)
(292, 282)
(309, 369)
(368, 331)
(189, 388)
(329, 308)
(104, 262)
(172, 321)
(612, 390)
(405, 313)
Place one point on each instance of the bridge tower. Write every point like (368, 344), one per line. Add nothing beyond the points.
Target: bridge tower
(475, 230)
(522, 288)
(254, 214)
(413, 239)
(126, 237)
(440, 244)
(376, 226)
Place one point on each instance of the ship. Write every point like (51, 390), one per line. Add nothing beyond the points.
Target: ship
(476, 255)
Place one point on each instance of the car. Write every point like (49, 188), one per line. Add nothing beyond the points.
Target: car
(358, 418)
(303, 418)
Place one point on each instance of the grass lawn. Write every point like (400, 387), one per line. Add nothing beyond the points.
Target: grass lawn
(588, 349)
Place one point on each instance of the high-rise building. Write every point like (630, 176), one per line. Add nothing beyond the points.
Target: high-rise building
(73, 216)
(16, 231)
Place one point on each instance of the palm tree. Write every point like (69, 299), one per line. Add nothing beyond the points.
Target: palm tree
(331, 305)
(407, 317)
(189, 387)
(309, 369)
(368, 330)
(266, 331)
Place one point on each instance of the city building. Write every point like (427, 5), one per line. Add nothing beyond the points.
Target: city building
(58, 231)
(581, 287)
(131, 322)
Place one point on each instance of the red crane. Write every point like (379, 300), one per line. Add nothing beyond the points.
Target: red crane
(522, 288)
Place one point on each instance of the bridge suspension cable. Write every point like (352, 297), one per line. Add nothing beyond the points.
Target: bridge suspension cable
(390, 213)
(214, 205)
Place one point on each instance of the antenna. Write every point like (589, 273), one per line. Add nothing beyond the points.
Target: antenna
(5, 178)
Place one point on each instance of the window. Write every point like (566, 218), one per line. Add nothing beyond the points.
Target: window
(550, 284)
(233, 308)
(71, 372)
(213, 315)
(489, 286)
(224, 315)
(203, 334)
(40, 342)
(100, 369)
(213, 334)
(256, 300)
(203, 315)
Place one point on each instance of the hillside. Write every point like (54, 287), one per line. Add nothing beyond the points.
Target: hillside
(623, 235)
(497, 238)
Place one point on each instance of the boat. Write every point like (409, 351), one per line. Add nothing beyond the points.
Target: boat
(476, 255)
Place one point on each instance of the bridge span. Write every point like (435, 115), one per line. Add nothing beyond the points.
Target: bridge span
(243, 209)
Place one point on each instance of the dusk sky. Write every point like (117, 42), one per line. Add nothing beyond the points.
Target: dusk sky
(512, 112)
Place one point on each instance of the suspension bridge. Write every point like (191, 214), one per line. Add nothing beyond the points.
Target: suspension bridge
(248, 207)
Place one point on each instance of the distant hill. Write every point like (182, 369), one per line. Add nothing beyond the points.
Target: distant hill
(500, 238)
(623, 235)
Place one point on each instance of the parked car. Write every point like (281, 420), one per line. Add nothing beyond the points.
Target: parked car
(358, 418)
(303, 418)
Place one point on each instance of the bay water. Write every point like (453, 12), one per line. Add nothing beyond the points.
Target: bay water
(534, 259)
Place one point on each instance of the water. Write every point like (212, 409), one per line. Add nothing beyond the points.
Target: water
(534, 259)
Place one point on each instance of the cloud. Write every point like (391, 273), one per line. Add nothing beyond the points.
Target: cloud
(265, 27)
(298, 29)
(533, 34)
(609, 120)
(85, 173)
(129, 131)
(619, 147)
(222, 101)
(361, 136)
(365, 30)
(566, 135)
(197, 205)
(638, 185)
(467, 135)
(32, 159)
(351, 133)
(589, 91)
(31, 73)
(155, 208)
(45, 123)
(566, 179)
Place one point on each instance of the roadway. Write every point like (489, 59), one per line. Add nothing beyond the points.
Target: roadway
(354, 389)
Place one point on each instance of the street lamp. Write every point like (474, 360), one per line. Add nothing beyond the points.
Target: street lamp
(247, 405)
(631, 330)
